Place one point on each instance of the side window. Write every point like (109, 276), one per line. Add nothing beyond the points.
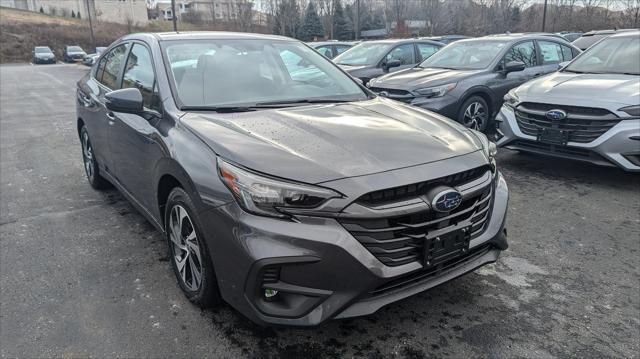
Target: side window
(551, 52)
(341, 48)
(113, 61)
(524, 52)
(138, 73)
(325, 50)
(300, 69)
(426, 50)
(404, 53)
(567, 53)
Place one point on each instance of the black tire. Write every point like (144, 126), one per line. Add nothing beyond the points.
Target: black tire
(206, 294)
(91, 168)
(475, 113)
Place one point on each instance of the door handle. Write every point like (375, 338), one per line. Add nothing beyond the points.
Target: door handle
(111, 117)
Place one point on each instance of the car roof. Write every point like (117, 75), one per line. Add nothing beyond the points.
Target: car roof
(196, 35)
(330, 42)
(521, 36)
(626, 33)
(608, 31)
(398, 41)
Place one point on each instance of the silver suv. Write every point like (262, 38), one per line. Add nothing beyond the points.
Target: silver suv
(589, 110)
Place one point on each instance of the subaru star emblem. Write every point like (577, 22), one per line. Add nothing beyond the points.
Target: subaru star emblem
(446, 200)
(556, 115)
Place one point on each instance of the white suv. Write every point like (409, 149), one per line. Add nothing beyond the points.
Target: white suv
(589, 110)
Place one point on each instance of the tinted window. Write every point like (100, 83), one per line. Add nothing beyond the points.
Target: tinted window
(43, 50)
(74, 49)
(551, 52)
(342, 48)
(524, 52)
(138, 73)
(325, 50)
(109, 67)
(426, 50)
(224, 72)
(404, 53)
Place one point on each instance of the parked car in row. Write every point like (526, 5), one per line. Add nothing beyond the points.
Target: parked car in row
(331, 49)
(295, 201)
(446, 39)
(570, 36)
(72, 53)
(43, 55)
(371, 59)
(591, 37)
(588, 111)
(90, 59)
(467, 80)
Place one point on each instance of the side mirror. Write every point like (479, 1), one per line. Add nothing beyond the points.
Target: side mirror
(125, 100)
(390, 64)
(514, 66)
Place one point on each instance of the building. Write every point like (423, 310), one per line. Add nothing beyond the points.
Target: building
(210, 10)
(118, 11)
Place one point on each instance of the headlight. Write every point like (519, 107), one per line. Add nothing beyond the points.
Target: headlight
(266, 196)
(436, 91)
(633, 111)
(489, 148)
(511, 99)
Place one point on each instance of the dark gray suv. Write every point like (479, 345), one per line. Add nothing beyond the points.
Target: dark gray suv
(467, 80)
(282, 185)
(371, 59)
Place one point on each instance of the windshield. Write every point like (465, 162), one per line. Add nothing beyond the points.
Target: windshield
(614, 55)
(224, 73)
(471, 55)
(363, 54)
(74, 49)
(43, 50)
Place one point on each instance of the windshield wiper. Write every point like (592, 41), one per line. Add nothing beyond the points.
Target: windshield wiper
(220, 108)
(297, 102)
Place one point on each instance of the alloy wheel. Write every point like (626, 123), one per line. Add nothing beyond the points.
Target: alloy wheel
(185, 248)
(475, 116)
(87, 154)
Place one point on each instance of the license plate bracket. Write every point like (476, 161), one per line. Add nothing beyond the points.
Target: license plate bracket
(439, 248)
(553, 136)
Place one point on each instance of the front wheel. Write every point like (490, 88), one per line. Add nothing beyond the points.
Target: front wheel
(188, 251)
(474, 113)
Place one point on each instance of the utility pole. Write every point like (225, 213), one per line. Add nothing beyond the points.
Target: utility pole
(544, 15)
(357, 32)
(174, 16)
(93, 40)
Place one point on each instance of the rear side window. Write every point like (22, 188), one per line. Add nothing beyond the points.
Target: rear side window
(325, 50)
(551, 52)
(426, 50)
(567, 53)
(109, 67)
(524, 52)
(404, 53)
(138, 73)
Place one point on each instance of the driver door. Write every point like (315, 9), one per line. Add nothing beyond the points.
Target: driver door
(526, 53)
(405, 53)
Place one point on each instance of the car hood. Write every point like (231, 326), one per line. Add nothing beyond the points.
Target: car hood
(417, 77)
(587, 89)
(319, 143)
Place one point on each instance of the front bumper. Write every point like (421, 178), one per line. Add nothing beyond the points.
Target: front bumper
(616, 147)
(320, 269)
(446, 105)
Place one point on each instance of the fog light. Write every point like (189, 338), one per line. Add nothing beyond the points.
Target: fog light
(270, 293)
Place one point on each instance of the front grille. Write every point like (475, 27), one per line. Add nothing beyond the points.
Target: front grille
(400, 240)
(583, 124)
(395, 194)
(565, 150)
(426, 274)
(400, 95)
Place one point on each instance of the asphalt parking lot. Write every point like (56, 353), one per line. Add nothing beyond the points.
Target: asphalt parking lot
(83, 274)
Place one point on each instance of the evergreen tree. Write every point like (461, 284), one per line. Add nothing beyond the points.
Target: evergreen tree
(78, 15)
(311, 25)
(343, 29)
(73, 14)
(41, 10)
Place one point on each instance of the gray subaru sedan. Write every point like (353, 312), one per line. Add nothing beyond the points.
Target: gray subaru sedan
(283, 186)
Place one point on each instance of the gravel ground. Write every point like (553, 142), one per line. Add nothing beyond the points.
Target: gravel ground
(83, 274)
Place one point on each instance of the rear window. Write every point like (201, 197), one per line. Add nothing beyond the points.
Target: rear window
(43, 50)
(587, 40)
(74, 49)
